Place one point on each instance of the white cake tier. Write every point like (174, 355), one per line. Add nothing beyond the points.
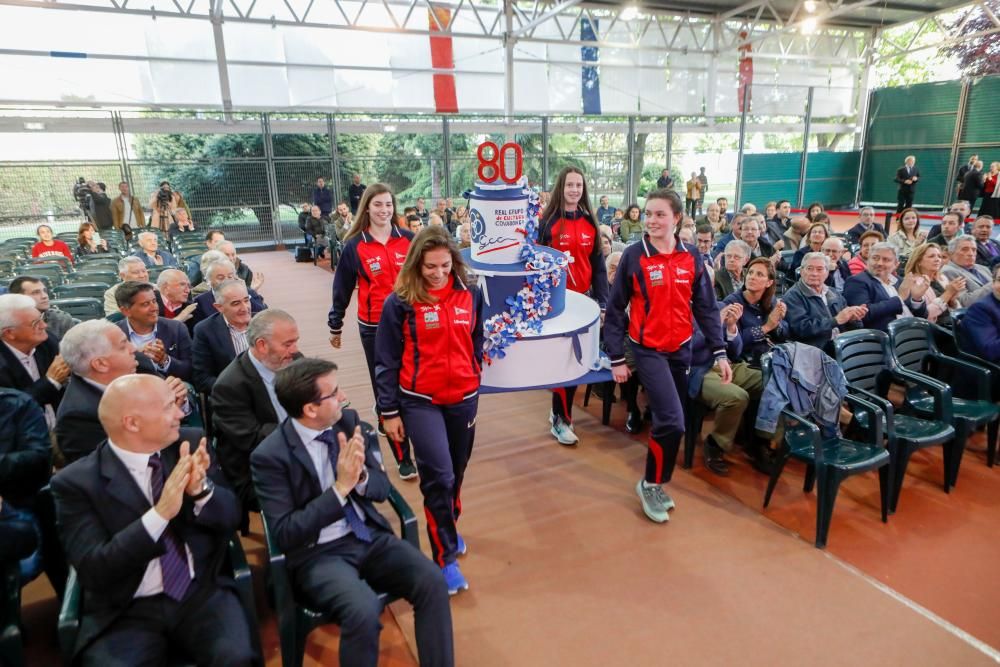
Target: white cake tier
(497, 216)
(567, 348)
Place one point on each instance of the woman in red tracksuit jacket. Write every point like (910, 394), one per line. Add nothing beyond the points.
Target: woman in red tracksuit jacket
(427, 360)
(568, 224)
(373, 254)
(663, 284)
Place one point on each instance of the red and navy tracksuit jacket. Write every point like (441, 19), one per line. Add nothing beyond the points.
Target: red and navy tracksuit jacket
(429, 351)
(375, 266)
(576, 232)
(662, 292)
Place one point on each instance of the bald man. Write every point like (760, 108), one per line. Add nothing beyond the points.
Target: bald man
(146, 524)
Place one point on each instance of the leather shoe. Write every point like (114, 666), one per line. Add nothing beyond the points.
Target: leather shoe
(714, 459)
(633, 423)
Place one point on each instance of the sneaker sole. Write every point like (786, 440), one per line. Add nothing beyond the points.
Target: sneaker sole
(407, 478)
(565, 443)
(458, 590)
(652, 517)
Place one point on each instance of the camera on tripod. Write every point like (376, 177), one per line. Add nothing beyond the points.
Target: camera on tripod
(83, 196)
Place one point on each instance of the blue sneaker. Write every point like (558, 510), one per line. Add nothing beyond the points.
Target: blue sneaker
(454, 579)
(462, 549)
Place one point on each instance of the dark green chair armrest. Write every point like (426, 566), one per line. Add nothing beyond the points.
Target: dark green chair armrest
(938, 390)
(811, 429)
(69, 616)
(875, 417)
(244, 588)
(407, 520)
(967, 370)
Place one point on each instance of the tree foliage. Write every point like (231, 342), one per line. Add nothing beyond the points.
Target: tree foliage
(976, 56)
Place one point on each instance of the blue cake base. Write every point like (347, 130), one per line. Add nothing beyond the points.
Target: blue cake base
(500, 281)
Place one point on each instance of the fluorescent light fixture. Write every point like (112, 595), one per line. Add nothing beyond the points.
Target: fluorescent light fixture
(809, 6)
(629, 13)
(389, 128)
(808, 25)
(34, 127)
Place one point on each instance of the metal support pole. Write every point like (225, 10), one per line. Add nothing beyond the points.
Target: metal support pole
(545, 153)
(331, 132)
(670, 142)
(215, 12)
(508, 73)
(121, 145)
(865, 100)
(630, 142)
(446, 140)
(956, 140)
(739, 161)
(805, 149)
(865, 150)
(272, 178)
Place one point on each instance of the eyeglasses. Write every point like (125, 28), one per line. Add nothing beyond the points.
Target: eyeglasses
(327, 397)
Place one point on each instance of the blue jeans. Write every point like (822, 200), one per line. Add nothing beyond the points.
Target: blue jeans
(31, 566)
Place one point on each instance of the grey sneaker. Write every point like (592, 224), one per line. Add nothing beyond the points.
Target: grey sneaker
(562, 431)
(653, 501)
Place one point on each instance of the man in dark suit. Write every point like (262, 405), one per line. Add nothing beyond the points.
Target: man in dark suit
(962, 171)
(973, 185)
(215, 274)
(839, 272)
(173, 297)
(907, 177)
(866, 223)
(886, 296)
(146, 527)
(949, 228)
(97, 352)
(987, 250)
(166, 342)
(317, 480)
(244, 407)
(222, 336)
(29, 357)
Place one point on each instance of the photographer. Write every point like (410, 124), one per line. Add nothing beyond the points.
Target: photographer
(82, 193)
(164, 203)
(100, 206)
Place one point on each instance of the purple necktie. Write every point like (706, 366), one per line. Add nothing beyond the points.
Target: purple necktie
(174, 562)
(354, 521)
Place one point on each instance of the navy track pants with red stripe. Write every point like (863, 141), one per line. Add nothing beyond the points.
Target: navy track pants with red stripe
(665, 377)
(442, 437)
(401, 449)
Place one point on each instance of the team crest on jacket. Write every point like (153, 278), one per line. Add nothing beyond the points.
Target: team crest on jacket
(431, 319)
(374, 266)
(655, 275)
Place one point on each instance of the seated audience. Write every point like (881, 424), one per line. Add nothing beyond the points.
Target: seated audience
(866, 223)
(49, 246)
(146, 525)
(129, 269)
(88, 242)
(713, 217)
(987, 250)
(216, 273)
(703, 237)
(29, 356)
(464, 234)
(315, 229)
(734, 233)
(150, 253)
(165, 342)
(728, 400)
(762, 322)
(960, 207)
(833, 250)
(253, 279)
(25, 466)
(950, 228)
(182, 223)
(632, 227)
(318, 477)
(193, 268)
(206, 259)
(962, 264)
(723, 205)
(798, 229)
(859, 262)
(814, 211)
(57, 321)
(815, 238)
(173, 296)
(782, 218)
(817, 313)
(908, 234)
(244, 407)
(97, 352)
(220, 338)
(729, 277)
(750, 233)
(886, 296)
(927, 261)
(981, 323)
(607, 238)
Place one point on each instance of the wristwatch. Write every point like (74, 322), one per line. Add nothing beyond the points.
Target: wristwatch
(208, 487)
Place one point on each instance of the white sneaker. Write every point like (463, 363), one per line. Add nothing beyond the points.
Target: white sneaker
(562, 431)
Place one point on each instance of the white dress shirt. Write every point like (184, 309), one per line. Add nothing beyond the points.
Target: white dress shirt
(142, 340)
(138, 467)
(267, 375)
(319, 452)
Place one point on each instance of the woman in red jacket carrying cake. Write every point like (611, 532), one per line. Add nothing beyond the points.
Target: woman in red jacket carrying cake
(373, 255)
(568, 224)
(427, 355)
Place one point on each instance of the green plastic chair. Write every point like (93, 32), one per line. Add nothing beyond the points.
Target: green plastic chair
(829, 461)
(864, 355)
(98, 275)
(918, 364)
(296, 621)
(82, 308)
(76, 290)
(958, 349)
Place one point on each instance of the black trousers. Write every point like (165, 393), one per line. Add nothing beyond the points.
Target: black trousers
(665, 377)
(209, 627)
(400, 449)
(341, 579)
(904, 199)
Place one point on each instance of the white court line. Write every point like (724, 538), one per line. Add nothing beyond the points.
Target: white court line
(951, 628)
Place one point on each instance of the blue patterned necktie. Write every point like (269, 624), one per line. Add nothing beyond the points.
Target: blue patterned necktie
(174, 562)
(354, 522)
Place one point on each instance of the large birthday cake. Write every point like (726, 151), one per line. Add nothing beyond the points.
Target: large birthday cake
(538, 334)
